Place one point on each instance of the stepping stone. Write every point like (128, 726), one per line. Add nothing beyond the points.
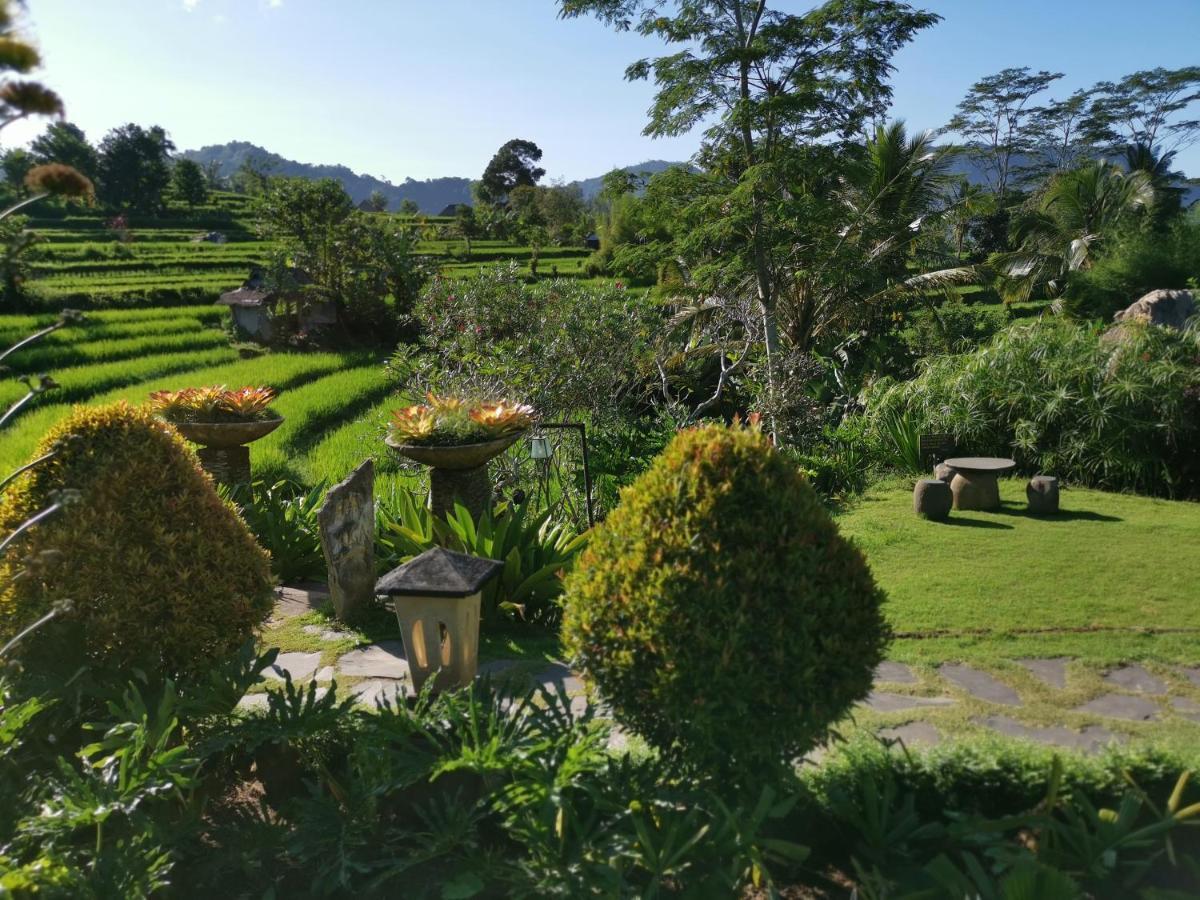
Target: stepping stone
(1091, 739)
(882, 701)
(299, 599)
(1135, 678)
(1192, 675)
(325, 674)
(559, 675)
(894, 673)
(375, 690)
(326, 634)
(1121, 706)
(496, 668)
(1187, 708)
(299, 665)
(1050, 672)
(259, 700)
(914, 734)
(382, 660)
(980, 685)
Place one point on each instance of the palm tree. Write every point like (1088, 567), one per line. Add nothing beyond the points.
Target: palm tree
(1141, 157)
(1069, 221)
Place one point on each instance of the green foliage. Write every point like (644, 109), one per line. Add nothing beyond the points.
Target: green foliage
(133, 167)
(1119, 412)
(189, 183)
(161, 572)
(720, 612)
(283, 519)
(536, 552)
(1135, 263)
(512, 166)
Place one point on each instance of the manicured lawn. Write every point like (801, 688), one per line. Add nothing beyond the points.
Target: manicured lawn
(1112, 577)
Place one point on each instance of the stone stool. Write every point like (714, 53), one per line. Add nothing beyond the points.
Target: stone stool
(1042, 493)
(943, 472)
(932, 499)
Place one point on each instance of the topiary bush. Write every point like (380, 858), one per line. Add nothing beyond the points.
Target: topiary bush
(720, 612)
(161, 572)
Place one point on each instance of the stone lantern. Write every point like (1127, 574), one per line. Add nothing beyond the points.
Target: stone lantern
(437, 596)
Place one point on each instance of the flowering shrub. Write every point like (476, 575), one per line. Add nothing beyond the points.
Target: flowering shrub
(215, 403)
(453, 420)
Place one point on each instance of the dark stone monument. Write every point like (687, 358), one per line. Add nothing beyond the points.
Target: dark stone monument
(347, 522)
(1042, 493)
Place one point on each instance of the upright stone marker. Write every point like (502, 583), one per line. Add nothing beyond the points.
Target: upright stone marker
(347, 521)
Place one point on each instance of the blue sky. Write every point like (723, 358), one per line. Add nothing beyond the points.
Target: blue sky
(424, 88)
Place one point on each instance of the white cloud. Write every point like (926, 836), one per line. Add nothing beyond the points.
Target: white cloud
(190, 5)
(274, 4)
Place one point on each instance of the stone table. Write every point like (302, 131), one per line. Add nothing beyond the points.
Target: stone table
(974, 484)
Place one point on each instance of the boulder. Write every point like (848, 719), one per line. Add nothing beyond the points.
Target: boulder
(932, 499)
(1168, 308)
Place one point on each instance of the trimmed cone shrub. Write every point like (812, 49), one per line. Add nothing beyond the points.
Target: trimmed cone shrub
(719, 611)
(161, 572)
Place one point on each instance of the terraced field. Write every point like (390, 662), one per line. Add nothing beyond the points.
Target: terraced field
(87, 260)
(333, 403)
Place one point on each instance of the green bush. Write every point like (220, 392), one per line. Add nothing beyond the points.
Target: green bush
(1135, 264)
(161, 572)
(719, 610)
(1119, 412)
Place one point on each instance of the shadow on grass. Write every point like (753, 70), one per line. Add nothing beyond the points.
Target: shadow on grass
(974, 523)
(1063, 515)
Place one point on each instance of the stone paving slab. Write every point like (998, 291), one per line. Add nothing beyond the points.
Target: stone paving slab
(384, 659)
(980, 685)
(894, 673)
(559, 675)
(298, 599)
(914, 734)
(1135, 678)
(326, 634)
(259, 700)
(300, 666)
(1121, 706)
(1091, 739)
(1186, 707)
(882, 701)
(374, 690)
(1050, 672)
(1192, 675)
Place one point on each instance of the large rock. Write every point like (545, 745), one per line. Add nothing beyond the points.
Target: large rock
(347, 522)
(1162, 307)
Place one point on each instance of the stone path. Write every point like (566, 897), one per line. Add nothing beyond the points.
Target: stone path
(378, 673)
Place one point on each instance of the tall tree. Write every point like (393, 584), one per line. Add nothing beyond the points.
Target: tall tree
(767, 83)
(134, 167)
(15, 164)
(188, 183)
(996, 119)
(409, 207)
(65, 143)
(1149, 107)
(377, 202)
(514, 165)
(466, 224)
(1061, 134)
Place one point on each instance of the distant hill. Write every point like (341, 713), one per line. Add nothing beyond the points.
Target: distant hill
(432, 195)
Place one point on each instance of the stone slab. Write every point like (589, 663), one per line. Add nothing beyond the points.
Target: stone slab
(1192, 675)
(326, 634)
(894, 673)
(325, 674)
(559, 675)
(913, 734)
(347, 526)
(1135, 678)
(1050, 672)
(1091, 739)
(980, 685)
(882, 701)
(300, 666)
(1121, 706)
(259, 700)
(376, 690)
(1186, 707)
(497, 669)
(382, 660)
(298, 599)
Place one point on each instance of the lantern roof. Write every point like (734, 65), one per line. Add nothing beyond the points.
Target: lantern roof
(439, 573)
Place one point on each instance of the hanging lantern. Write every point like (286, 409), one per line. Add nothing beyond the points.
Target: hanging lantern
(540, 448)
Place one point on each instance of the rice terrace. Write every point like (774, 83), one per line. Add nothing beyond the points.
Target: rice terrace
(811, 510)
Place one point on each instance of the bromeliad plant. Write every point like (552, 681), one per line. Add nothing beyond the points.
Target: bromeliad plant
(450, 421)
(215, 403)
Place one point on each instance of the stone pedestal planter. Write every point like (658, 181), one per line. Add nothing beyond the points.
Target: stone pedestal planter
(932, 499)
(457, 473)
(223, 452)
(1042, 494)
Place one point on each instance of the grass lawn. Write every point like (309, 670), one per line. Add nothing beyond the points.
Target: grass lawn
(1112, 577)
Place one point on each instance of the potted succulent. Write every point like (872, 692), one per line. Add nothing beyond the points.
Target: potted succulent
(222, 421)
(456, 438)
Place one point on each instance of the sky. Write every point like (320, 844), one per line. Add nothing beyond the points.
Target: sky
(429, 88)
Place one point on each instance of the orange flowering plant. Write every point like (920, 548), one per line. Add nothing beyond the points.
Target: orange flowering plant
(453, 420)
(214, 403)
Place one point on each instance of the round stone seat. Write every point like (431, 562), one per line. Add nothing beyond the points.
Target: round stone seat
(1042, 494)
(932, 499)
